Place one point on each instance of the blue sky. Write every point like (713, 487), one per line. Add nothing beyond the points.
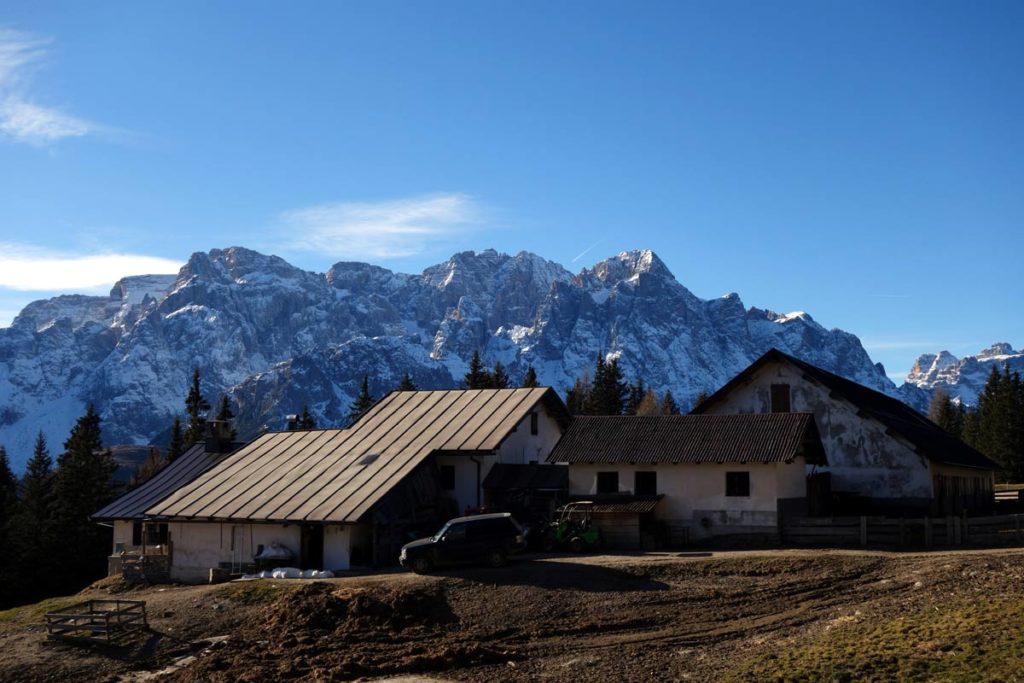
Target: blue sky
(861, 161)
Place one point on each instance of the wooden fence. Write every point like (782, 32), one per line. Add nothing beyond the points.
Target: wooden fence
(97, 619)
(909, 532)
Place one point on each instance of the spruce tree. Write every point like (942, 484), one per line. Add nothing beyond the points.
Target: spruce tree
(668, 404)
(943, 412)
(406, 384)
(146, 470)
(637, 392)
(8, 488)
(578, 396)
(196, 407)
(177, 444)
(306, 420)
(225, 414)
(11, 584)
(35, 550)
(596, 399)
(364, 401)
(499, 378)
(82, 486)
(477, 377)
(530, 378)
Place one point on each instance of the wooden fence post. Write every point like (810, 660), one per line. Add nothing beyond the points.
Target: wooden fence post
(1016, 520)
(964, 524)
(903, 534)
(863, 530)
(927, 533)
(957, 536)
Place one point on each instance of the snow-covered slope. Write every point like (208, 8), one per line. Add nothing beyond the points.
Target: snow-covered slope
(275, 337)
(962, 378)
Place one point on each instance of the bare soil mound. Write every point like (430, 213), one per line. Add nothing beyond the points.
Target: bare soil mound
(324, 632)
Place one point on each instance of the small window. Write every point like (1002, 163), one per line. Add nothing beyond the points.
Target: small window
(780, 398)
(137, 533)
(607, 482)
(156, 534)
(447, 477)
(533, 423)
(646, 483)
(737, 484)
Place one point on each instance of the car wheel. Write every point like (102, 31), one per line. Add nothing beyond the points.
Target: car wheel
(576, 544)
(496, 558)
(421, 565)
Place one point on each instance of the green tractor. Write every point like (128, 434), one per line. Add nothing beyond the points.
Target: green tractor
(573, 528)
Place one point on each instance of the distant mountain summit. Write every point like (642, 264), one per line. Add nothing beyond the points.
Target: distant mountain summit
(962, 378)
(276, 337)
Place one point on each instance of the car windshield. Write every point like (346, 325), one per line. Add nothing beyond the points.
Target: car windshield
(437, 537)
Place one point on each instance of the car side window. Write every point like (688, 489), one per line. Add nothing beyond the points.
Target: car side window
(456, 532)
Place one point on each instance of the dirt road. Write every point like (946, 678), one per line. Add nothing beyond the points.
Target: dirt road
(667, 616)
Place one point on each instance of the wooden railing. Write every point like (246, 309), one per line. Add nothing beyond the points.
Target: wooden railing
(905, 532)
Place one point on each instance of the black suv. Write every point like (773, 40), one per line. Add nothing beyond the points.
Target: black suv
(466, 540)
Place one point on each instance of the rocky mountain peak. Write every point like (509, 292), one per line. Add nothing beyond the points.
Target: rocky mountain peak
(273, 336)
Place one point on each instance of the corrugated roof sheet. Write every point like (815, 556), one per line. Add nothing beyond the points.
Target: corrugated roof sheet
(187, 467)
(931, 440)
(770, 437)
(324, 476)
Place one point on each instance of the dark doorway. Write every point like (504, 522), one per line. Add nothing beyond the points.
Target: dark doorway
(311, 554)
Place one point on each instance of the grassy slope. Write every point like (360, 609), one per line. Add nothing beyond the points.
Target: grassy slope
(963, 640)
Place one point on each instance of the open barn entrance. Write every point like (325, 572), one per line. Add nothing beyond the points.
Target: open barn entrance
(311, 552)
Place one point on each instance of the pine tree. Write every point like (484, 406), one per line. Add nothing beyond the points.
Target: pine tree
(999, 432)
(406, 384)
(530, 378)
(648, 404)
(946, 414)
(146, 470)
(10, 582)
(668, 404)
(477, 377)
(177, 444)
(596, 398)
(37, 484)
(82, 486)
(306, 420)
(499, 378)
(364, 401)
(31, 530)
(8, 488)
(637, 392)
(196, 407)
(225, 414)
(578, 396)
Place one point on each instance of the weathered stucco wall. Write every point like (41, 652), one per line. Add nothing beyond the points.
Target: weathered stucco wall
(337, 547)
(520, 447)
(862, 458)
(122, 533)
(199, 546)
(694, 495)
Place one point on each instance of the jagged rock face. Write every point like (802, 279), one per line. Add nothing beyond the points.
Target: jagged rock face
(962, 378)
(276, 337)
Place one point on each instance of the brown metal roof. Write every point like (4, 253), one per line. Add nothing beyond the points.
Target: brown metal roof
(187, 467)
(326, 476)
(766, 437)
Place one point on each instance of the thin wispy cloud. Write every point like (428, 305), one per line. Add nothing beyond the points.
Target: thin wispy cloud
(22, 119)
(29, 269)
(387, 229)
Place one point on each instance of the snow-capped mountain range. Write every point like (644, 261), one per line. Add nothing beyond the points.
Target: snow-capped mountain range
(276, 337)
(962, 378)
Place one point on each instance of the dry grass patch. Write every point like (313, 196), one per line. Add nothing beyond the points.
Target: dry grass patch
(962, 640)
